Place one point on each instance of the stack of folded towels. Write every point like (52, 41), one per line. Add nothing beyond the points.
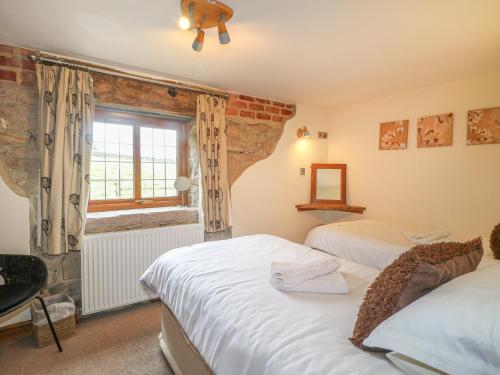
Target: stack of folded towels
(315, 277)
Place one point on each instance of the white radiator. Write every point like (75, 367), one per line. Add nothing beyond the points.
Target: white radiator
(112, 263)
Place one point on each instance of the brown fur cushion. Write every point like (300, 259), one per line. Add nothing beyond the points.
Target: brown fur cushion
(495, 241)
(415, 273)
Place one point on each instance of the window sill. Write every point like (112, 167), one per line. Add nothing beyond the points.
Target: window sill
(116, 221)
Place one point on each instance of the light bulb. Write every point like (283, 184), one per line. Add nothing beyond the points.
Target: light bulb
(184, 23)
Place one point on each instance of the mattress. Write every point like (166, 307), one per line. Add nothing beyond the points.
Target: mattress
(221, 296)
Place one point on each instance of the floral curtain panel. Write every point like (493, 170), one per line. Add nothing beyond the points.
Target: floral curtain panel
(211, 121)
(66, 111)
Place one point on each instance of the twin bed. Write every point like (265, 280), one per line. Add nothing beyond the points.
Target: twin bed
(221, 315)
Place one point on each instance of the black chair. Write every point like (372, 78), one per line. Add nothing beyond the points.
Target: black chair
(24, 277)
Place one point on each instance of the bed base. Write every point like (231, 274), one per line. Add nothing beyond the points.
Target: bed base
(183, 357)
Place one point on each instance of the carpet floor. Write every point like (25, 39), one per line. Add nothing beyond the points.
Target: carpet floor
(119, 342)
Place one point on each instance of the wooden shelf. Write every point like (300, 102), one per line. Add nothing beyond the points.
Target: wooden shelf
(330, 207)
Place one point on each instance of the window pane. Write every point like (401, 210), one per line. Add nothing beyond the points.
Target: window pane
(146, 153)
(146, 136)
(171, 154)
(97, 190)
(147, 171)
(112, 151)
(126, 152)
(98, 152)
(112, 133)
(97, 170)
(159, 153)
(170, 188)
(159, 188)
(158, 161)
(98, 132)
(112, 171)
(126, 134)
(126, 189)
(147, 188)
(112, 168)
(112, 189)
(126, 171)
(158, 136)
(170, 137)
(171, 171)
(159, 169)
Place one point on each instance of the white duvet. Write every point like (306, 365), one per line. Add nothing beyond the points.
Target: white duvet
(221, 295)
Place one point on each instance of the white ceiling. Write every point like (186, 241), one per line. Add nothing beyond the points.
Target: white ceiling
(324, 52)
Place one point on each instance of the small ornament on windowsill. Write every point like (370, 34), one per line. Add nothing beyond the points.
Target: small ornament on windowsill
(182, 184)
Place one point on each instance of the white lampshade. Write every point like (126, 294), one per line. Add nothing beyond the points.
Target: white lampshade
(182, 183)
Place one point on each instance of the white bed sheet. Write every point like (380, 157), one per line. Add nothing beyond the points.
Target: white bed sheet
(370, 242)
(221, 295)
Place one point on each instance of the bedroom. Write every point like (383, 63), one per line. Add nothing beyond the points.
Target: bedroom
(346, 134)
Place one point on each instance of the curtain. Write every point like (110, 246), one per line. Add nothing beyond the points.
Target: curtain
(211, 121)
(65, 117)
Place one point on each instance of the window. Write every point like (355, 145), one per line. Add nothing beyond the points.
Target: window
(135, 160)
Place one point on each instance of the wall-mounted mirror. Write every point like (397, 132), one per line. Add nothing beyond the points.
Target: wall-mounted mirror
(328, 183)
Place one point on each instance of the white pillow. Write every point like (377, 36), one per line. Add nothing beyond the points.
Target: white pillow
(370, 242)
(455, 328)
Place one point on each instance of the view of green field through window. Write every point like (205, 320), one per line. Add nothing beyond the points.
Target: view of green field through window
(112, 161)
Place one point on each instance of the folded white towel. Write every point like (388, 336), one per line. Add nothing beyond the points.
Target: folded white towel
(292, 274)
(333, 283)
(425, 238)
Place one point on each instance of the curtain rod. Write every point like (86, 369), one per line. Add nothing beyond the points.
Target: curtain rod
(117, 73)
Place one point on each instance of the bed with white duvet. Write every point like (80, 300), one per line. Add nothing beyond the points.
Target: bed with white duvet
(221, 295)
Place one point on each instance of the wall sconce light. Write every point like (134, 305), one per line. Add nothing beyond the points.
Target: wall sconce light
(303, 132)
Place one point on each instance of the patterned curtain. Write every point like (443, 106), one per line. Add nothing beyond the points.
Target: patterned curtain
(211, 121)
(65, 117)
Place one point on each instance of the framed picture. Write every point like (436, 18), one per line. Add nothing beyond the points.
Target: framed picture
(483, 126)
(435, 131)
(393, 135)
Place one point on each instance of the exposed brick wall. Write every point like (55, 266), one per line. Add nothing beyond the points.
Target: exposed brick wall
(15, 66)
(259, 109)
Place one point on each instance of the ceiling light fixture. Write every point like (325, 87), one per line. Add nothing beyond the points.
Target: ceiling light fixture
(205, 14)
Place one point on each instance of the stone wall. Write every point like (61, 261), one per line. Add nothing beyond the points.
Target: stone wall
(254, 126)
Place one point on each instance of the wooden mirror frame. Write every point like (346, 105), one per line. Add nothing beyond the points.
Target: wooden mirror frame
(314, 182)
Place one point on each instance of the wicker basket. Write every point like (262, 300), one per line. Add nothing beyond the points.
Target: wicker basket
(64, 327)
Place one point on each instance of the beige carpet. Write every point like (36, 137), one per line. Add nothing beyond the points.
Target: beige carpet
(120, 342)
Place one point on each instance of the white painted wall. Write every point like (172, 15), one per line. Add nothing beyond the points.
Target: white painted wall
(15, 227)
(264, 197)
(14, 232)
(457, 187)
